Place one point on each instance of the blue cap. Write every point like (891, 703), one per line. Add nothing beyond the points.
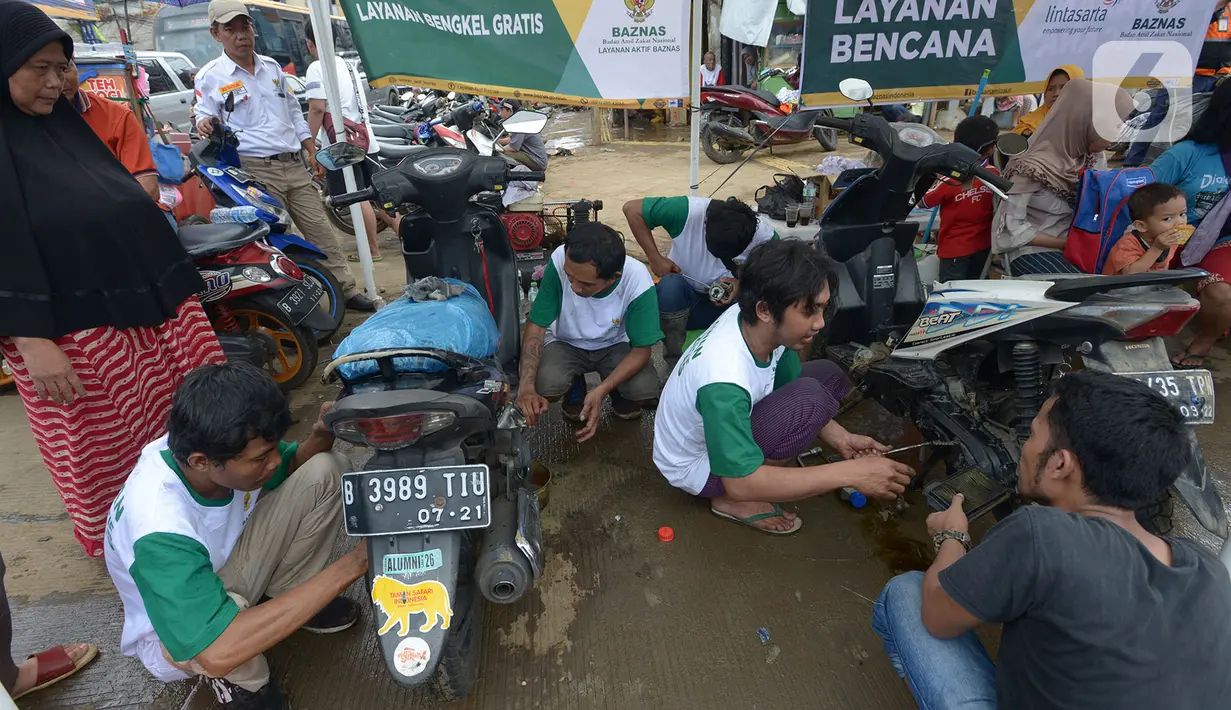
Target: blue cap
(858, 500)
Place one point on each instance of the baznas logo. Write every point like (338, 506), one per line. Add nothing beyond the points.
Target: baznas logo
(1165, 5)
(639, 10)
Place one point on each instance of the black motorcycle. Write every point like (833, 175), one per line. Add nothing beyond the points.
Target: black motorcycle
(444, 502)
(968, 364)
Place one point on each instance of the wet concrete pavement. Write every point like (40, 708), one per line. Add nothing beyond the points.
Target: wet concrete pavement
(619, 619)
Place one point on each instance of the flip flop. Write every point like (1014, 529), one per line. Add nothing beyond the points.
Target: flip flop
(1177, 363)
(354, 258)
(748, 521)
(54, 665)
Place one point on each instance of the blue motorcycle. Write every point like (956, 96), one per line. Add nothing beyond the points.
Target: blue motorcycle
(216, 161)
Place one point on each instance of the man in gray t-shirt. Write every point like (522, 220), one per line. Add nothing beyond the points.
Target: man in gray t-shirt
(1097, 612)
(526, 148)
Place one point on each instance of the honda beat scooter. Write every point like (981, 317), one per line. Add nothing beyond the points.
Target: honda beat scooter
(444, 503)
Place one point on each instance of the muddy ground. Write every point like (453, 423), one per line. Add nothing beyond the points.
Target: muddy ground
(619, 620)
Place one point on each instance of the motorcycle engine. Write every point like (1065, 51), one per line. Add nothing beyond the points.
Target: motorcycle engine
(525, 230)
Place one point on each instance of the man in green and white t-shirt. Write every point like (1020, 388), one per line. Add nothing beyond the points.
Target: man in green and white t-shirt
(708, 240)
(217, 515)
(596, 311)
(740, 404)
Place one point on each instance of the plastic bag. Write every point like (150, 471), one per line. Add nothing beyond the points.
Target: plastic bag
(169, 161)
(462, 324)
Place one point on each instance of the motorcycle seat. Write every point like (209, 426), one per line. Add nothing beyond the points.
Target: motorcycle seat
(798, 121)
(399, 151)
(201, 240)
(766, 96)
(1079, 289)
(393, 131)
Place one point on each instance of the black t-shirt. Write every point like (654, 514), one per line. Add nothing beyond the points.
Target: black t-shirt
(1093, 620)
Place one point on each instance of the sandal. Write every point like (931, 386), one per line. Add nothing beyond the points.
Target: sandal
(54, 665)
(353, 257)
(1178, 362)
(748, 521)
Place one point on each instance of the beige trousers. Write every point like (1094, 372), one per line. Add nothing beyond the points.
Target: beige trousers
(287, 540)
(291, 183)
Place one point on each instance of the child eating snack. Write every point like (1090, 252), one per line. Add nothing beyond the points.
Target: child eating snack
(1160, 224)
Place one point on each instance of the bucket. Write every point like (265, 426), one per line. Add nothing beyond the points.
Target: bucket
(540, 482)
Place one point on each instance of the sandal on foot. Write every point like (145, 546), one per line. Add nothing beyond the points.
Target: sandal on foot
(748, 521)
(1178, 362)
(354, 258)
(54, 665)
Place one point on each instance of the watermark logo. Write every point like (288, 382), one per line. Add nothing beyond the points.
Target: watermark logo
(1165, 5)
(1163, 114)
(639, 10)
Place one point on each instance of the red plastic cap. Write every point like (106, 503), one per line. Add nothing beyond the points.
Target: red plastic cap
(666, 534)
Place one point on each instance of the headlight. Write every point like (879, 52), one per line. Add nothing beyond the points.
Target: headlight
(257, 275)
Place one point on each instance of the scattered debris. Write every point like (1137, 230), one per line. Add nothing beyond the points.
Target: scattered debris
(666, 534)
(773, 654)
(561, 153)
(617, 518)
(763, 634)
(852, 591)
(606, 150)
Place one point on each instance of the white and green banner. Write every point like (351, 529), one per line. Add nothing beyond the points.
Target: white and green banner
(613, 53)
(938, 49)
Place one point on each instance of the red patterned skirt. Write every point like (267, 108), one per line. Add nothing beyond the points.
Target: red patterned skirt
(91, 445)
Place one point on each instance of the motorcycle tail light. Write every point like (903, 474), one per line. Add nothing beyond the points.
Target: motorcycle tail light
(1170, 321)
(1139, 321)
(393, 432)
(283, 265)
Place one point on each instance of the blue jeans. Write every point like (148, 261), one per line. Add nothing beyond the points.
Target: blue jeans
(943, 674)
(675, 294)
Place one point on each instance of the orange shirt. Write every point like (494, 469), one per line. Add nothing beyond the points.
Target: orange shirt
(1128, 250)
(116, 125)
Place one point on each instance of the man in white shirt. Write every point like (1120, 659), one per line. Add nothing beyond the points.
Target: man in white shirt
(273, 131)
(219, 542)
(596, 311)
(353, 109)
(739, 404)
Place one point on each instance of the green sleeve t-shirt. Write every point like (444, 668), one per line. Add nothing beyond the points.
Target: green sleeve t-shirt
(726, 416)
(670, 213)
(640, 317)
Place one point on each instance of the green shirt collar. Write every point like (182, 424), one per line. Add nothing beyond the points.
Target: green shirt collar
(200, 499)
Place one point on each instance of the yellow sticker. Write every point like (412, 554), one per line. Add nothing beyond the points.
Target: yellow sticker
(857, 139)
(233, 86)
(399, 600)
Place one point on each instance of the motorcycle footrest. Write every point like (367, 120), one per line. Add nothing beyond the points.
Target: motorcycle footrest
(982, 493)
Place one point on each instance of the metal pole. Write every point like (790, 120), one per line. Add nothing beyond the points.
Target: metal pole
(627, 136)
(323, 30)
(694, 104)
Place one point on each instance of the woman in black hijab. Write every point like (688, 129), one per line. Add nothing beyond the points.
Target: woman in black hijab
(98, 318)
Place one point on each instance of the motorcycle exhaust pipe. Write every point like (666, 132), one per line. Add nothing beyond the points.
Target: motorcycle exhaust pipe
(502, 572)
(730, 132)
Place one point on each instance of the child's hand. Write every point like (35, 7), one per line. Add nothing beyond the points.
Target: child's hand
(1168, 239)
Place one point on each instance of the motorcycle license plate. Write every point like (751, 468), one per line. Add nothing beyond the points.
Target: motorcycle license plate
(1191, 391)
(300, 301)
(416, 500)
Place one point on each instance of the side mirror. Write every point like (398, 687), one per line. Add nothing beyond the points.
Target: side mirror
(452, 95)
(855, 89)
(1011, 144)
(339, 155)
(229, 104)
(525, 122)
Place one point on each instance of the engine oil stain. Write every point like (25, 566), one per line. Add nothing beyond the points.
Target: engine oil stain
(900, 551)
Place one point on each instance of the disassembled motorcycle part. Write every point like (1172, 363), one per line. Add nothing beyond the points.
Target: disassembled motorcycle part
(981, 492)
(918, 446)
(717, 291)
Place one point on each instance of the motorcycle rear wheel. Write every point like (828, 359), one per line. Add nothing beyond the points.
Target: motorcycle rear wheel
(462, 650)
(827, 137)
(296, 355)
(714, 150)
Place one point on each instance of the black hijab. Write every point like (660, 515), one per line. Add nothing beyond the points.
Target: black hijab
(83, 244)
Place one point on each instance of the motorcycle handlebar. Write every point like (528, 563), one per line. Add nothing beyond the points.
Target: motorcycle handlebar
(350, 198)
(528, 176)
(842, 124)
(994, 180)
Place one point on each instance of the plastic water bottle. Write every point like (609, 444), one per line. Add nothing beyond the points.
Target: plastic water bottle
(243, 215)
(854, 497)
(534, 293)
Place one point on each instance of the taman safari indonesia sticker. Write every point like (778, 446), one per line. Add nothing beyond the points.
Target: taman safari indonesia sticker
(399, 600)
(411, 656)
